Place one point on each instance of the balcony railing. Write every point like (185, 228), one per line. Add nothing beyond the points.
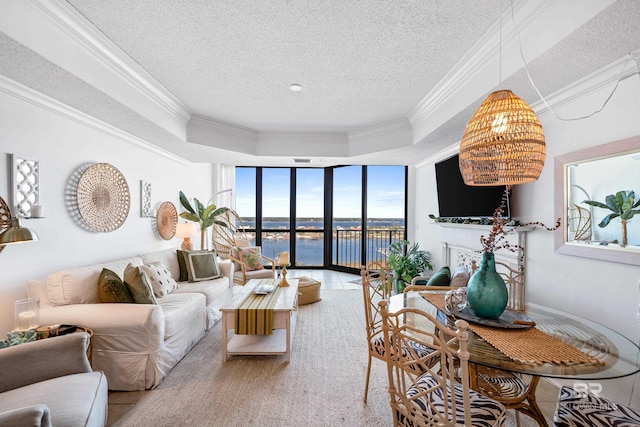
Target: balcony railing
(347, 245)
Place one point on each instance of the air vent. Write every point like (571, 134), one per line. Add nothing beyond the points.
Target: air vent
(302, 160)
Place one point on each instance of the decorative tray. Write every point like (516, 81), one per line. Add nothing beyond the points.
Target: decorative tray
(508, 320)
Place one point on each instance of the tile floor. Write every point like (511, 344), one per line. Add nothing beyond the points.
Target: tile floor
(122, 402)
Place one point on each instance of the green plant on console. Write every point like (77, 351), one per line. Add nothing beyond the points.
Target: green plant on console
(407, 261)
(205, 216)
(621, 205)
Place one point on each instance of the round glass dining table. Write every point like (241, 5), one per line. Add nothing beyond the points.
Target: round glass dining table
(617, 355)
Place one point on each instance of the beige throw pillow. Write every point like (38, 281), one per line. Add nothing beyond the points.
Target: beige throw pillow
(160, 279)
(460, 276)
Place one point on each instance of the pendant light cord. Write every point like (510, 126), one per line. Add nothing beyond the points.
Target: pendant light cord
(526, 69)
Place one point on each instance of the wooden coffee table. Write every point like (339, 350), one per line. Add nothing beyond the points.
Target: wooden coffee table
(284, 320)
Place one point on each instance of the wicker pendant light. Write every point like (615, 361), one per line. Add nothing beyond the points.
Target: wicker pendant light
(503, 143)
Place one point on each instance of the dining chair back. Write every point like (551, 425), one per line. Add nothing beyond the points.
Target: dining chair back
(513, 277)
(433, 388)
(376, 285)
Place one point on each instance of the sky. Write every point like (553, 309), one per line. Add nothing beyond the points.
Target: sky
(385, 192)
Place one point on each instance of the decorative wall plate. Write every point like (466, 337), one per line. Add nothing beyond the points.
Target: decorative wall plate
(103, 197)
(167, 218)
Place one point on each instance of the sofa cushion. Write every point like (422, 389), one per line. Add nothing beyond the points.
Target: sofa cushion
(138, 284)
(160, 278)
(73, 400)
(213, 290)
(179, 310)
(78, 285)
(112, 289)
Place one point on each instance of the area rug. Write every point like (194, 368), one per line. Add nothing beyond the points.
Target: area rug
(323, 384)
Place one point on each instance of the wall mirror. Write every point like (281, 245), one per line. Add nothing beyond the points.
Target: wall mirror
(592, 174)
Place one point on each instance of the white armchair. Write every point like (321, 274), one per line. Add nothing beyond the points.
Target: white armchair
(50, 382)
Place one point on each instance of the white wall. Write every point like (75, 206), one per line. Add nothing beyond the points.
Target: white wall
(61, 145)
(605, 292)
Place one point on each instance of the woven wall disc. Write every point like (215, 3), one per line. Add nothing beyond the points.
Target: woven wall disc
(103, 197)
(167, 220)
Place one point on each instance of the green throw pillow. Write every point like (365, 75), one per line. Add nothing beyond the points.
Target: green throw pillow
(202, 265)
(441, 278)
(182, 256)
(136, 281)
(111, 288)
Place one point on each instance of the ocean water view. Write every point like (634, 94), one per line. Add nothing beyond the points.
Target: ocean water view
(346, 239)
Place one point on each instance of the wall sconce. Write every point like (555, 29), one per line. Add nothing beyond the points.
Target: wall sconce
(186, 230)
(10, 229)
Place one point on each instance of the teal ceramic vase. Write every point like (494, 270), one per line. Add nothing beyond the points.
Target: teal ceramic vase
(486, 291)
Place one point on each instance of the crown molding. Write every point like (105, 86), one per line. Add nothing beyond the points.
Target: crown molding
(610, 74)
(18, 91)
(380, 130)
(440, 155)
(55, 30)
(478, 72)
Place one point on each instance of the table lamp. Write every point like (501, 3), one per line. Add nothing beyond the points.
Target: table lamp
(186, 230)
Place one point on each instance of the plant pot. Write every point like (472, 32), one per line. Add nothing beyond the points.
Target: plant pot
(487, 293)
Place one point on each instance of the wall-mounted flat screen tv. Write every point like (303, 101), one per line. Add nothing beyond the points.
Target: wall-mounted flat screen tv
(458, 200)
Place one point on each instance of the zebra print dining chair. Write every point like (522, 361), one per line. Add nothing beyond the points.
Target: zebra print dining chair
(577, 408)
(376, 286)
(432, 389)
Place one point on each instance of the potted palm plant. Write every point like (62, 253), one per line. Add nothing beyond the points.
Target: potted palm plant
(407, 261)
(621, 205)
(205, 216)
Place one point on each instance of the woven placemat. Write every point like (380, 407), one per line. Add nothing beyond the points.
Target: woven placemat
(525, 345)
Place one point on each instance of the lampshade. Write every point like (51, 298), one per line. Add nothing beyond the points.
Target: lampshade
(186, 229)
(17, 234)
(503, 143)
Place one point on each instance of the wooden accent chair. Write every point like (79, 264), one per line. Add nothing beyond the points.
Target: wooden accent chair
(376, 286)
(227, 240)
(433, 388)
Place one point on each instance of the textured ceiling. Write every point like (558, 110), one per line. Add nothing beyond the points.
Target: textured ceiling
(361, 64)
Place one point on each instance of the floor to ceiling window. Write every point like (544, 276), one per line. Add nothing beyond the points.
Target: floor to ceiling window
(309, 208)
(338, 217)
(347, 216)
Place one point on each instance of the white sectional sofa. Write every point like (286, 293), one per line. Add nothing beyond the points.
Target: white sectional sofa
(135, 345)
